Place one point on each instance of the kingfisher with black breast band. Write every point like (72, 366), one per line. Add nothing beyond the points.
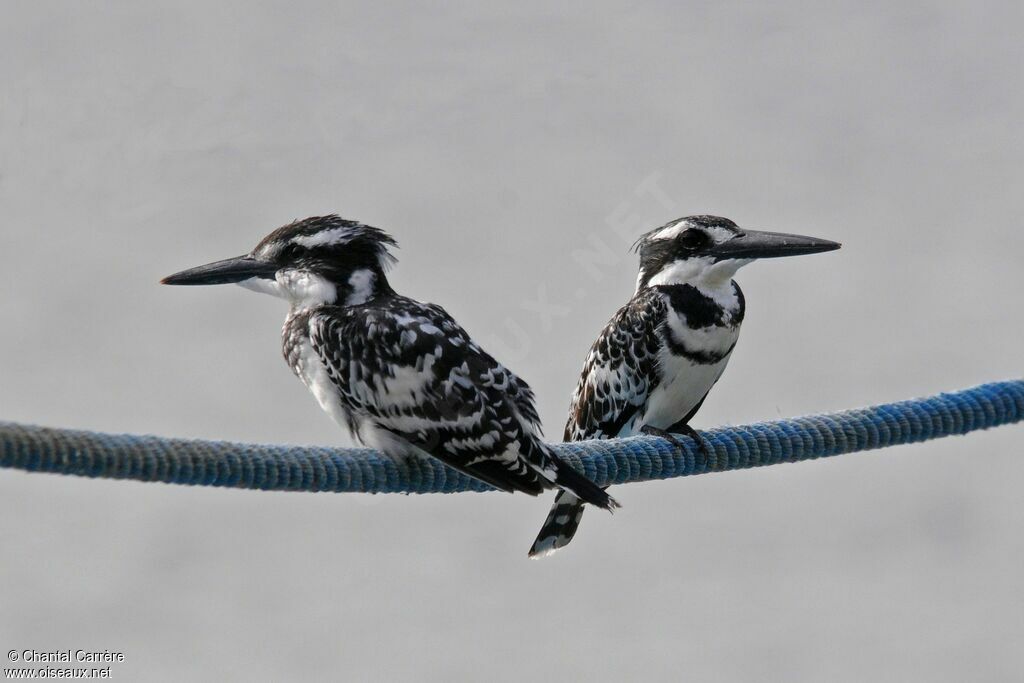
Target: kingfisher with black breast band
(401, 375)
(656, 360)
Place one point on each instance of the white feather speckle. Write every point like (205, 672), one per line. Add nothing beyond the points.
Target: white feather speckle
(362, 283)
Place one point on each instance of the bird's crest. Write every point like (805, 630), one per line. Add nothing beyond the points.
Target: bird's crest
(325, 233)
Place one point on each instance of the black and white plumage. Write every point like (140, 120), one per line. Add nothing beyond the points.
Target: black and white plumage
(401, 375)
(656, 360)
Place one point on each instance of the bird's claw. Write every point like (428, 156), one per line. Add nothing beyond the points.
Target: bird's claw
(668, 436)
(703, 447)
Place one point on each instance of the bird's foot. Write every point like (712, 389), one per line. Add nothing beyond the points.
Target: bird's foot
(664, 434)
(703, 447)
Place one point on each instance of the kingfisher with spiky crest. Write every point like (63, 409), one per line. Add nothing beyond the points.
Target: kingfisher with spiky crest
(401, 375)
(656, 360)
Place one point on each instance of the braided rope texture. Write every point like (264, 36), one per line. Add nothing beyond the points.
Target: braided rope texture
(616, 461)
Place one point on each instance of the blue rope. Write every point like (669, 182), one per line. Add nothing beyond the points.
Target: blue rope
(618, 461)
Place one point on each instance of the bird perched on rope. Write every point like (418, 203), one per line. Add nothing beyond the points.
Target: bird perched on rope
(401, 375)
(656, 360)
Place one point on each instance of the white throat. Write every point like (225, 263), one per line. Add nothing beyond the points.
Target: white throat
(305, 289)
(704, 273)
(301, 288)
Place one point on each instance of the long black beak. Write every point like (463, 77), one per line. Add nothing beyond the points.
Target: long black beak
(754, 244)
(224, 272)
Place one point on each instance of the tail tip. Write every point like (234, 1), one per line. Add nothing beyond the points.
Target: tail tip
(545, 547)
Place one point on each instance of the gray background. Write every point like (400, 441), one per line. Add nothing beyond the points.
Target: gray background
(495, 141)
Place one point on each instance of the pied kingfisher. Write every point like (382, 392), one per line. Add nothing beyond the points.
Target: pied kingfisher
(401, 375)
(656, 360)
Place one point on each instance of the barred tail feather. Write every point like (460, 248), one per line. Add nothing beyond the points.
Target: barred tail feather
(567, 511)
(560, 525)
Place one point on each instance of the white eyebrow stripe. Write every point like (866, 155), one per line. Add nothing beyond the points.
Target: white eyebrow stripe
(325, 238)
(717, 234)
(671, 231)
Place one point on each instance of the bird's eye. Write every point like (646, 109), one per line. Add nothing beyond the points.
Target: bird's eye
(289, 251)
(693, 239)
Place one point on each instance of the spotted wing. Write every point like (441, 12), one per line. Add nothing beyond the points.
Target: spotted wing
(409, 370)
(620, 371)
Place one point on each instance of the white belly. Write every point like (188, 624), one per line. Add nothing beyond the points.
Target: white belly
(314, 375)
(683, 385)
